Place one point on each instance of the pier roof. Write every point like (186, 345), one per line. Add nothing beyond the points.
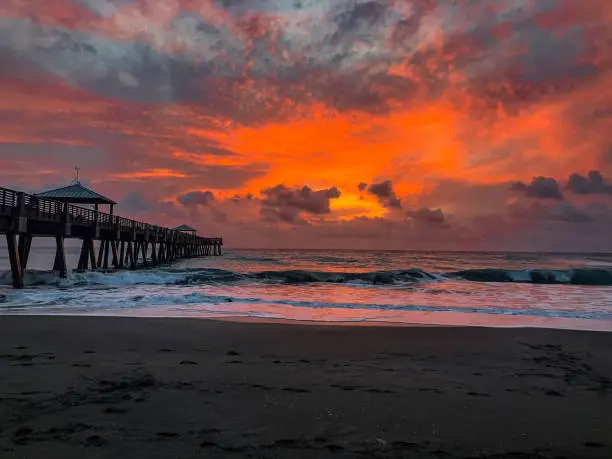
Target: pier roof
(185, 228)
(76, 193)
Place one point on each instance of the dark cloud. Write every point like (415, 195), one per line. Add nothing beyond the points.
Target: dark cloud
(428, 216)
(362, 186)
(385, 194)
(560, 212)
(593, 183)
(288, 68)
(287, 204)
(540, 188)
(135, 204)
(361, 15)
(137, 72)
(239, 198)
(382, 189)
(64, 154)
(566, 212)
(225, 177)
(471, 198)
(195, 198)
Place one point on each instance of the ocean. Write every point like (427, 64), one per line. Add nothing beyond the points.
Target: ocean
(335, 286)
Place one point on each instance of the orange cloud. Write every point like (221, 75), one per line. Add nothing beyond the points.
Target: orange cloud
(149, 174)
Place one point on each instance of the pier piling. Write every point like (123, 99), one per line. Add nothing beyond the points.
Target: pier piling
(16, 269)
(60, 257)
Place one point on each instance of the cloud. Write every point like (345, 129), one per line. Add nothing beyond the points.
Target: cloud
(134, 204)
(593, 183)
(362, 186)
(338, 53)
(287, 204)
(559, 212)
(540, 188)
(385, 194)
(428, 216)
(195, 198)
(568, 213)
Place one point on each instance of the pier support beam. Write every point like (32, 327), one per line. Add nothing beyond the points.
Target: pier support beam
(128, 251)
(122, 255)
(154, 255)
(25, 244)
(84, 257)
(101, 254)
(145, 248)
(115, 254)
(16, 269)
(60, 257)
(92, 254)
(160, 254)
(130, 254)
(106, 244)
(136, 252)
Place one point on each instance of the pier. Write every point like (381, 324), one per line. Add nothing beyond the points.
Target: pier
(123, 243)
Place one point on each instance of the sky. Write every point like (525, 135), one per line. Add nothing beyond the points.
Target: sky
(373, 124)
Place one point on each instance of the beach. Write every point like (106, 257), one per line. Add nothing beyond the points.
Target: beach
(107, 387)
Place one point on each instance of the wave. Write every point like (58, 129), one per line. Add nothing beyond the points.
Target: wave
(372, 277)
(577, 276)
(170, 276)
(194, 302)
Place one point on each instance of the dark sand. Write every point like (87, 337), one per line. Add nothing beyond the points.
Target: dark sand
(77, 387)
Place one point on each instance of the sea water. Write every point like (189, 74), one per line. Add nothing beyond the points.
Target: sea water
(459, 288)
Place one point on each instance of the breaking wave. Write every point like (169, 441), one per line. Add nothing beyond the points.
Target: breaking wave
(169, 276)
(69, 301)
(578, 276)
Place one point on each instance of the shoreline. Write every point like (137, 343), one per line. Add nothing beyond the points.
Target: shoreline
(586, 325)
(103, 387)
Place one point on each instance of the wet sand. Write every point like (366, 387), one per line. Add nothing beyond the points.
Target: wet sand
(101, 387)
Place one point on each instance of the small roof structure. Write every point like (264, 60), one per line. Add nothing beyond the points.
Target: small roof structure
(77, 194)
(185, 229)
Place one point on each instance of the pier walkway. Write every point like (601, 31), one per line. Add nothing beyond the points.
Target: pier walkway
(124, 243)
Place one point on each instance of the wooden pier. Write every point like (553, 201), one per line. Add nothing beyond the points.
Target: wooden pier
(124, 243)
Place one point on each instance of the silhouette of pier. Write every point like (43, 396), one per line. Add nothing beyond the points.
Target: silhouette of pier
(124, 243)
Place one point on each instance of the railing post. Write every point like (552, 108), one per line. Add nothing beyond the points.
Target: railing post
(65, 226)
(96, 225)
(66, 213)
(117, 228)
(19, 222)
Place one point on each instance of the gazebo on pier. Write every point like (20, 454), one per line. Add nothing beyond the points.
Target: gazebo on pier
(186, 229)
(76, 193)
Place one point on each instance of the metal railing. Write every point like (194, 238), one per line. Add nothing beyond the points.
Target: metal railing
(56, 211)
(8, 199)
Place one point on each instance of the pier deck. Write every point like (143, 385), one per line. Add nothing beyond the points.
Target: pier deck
(124, 243)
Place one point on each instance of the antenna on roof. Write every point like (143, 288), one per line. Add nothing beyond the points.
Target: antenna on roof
(76, 178)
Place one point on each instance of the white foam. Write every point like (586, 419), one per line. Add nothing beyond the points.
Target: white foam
(520, 276)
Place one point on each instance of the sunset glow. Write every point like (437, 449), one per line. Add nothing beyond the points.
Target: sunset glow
(321, 123)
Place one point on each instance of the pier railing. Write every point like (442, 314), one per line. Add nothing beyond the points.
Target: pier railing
(43, 209)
